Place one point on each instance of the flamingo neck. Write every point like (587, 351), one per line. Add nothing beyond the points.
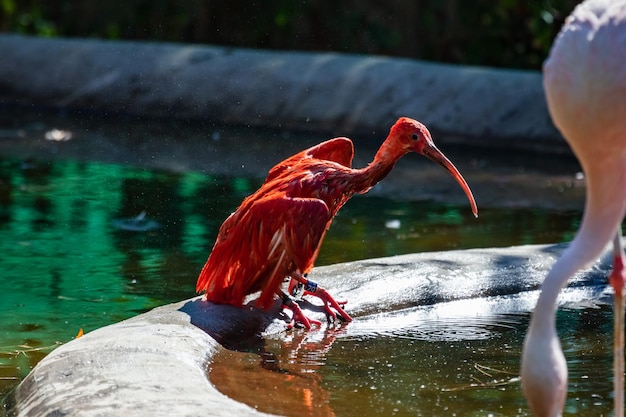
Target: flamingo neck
(544, 369)
(605, 207)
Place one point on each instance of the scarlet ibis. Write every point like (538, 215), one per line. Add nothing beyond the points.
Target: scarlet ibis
(277, 231)
(585, 85)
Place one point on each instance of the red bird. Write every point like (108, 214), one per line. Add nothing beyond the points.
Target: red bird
(277, 232)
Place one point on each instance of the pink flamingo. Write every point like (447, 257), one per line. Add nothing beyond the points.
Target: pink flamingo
(585, 84)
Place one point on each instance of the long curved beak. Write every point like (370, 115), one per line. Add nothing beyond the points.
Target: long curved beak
(431, 152)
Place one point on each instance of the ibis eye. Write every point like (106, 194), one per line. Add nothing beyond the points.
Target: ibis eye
(414, 136)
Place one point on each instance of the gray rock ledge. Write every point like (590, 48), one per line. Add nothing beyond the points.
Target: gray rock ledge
(155, 364)
(333, 93)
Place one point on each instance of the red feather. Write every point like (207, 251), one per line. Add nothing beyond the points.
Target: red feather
(339, 150)
(260, 244)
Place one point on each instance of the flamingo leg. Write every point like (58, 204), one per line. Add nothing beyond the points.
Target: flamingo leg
(311, 288)
(617, 278)
(298, 314)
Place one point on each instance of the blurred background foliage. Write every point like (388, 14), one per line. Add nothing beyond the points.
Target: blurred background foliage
(498, 33)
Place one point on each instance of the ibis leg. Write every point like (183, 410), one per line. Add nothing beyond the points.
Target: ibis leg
(298, 315)
(311, 288)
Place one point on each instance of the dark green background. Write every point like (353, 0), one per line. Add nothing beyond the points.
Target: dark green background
(504, 33)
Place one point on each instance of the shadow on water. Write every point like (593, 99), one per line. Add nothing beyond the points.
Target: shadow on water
(265, 379)
(249, 330)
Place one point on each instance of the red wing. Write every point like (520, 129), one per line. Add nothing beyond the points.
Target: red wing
(339, 150)
(257, 249)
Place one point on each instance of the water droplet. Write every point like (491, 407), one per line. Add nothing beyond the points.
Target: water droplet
(58, 135)
(392, 224)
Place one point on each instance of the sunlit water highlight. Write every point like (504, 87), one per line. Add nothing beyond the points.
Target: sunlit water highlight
(452, 365)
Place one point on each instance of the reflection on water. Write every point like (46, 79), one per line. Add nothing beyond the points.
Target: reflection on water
(68, 264)
(466, 366)
(86, 244)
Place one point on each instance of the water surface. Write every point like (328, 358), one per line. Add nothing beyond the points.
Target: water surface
(120, 219)
(451, 362)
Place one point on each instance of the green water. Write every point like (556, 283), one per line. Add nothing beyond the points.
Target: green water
(67, 263)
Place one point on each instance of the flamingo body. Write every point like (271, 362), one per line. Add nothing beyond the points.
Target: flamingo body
(585, 86)
(278, 230)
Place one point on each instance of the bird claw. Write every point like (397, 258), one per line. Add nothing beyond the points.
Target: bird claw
(329, 302)
(298, 315)
(311, 288)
